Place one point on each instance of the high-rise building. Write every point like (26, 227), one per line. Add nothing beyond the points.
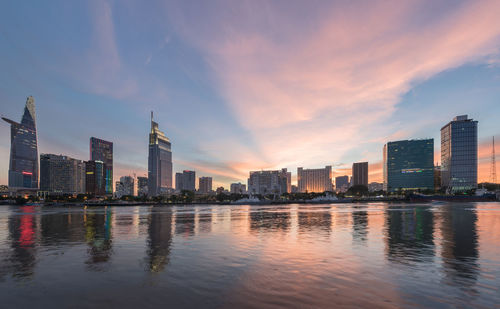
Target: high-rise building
(95, 182)
(205, 185)
(360, 174)
(101, 150)
(61, 174)
(179, 184)
(409, 165)
(142, 186)
(23, 166)
(342, 183)
(238, 188)
(125, 186)
(189, 180)
(459, 154)
(159, 161)
(268, 182)
(314, 180)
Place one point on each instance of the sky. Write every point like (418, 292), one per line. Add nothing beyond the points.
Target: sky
(249, 85)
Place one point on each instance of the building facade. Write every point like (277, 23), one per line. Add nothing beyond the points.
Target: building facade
(101, 150)
(268, 182)
(238, 188)
(159, 161)
(142, 186)
(409, 165)
(314, 180)
(189, 180)
(61, 174)
(126, 186)
(95, 182)
(342, 183)
(23, 164)
(459, 155)
(205, 185)
(360, 174)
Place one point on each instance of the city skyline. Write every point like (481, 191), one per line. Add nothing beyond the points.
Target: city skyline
(232, 105)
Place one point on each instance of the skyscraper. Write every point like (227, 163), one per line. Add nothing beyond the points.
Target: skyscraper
(238, 188)
(409, 165)
(268, 182)
(360, 174)
(101, 150)
(205, 185)
(126, 186)
(188, 180)
(142, 186)
(61, 174)
(159, 161)
(314, 180)
(459, 154)
(95, 178)
(342, 183)
(23, 167)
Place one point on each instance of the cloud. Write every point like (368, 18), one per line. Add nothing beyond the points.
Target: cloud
(311, 89)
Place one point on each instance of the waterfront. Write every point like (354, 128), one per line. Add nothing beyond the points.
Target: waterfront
(352, 255)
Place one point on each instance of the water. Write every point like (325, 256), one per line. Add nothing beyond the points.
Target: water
(354, 255)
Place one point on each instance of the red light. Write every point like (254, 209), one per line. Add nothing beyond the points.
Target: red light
(27, 173)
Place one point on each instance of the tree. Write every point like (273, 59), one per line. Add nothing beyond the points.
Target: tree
(357, 190)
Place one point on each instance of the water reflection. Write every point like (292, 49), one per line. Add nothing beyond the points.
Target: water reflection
(409, 234)
(98, 237)
(23, 228)
(359, 225)
(460, 244)
(160, 239)
(334, 248)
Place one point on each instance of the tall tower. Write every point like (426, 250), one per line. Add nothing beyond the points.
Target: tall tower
(459, 154)
(101, 150)
(23, 167)
(159, 161)
(493, 171)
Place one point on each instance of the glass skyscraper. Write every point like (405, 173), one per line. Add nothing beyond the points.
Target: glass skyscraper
(159, 161)
(23, 167)
(409, 165)
(459, 154)
(101, 150)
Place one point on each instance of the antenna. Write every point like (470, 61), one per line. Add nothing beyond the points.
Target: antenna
(151, 116)
(493, 171)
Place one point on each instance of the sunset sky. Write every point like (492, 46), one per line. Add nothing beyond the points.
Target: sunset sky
(249, 85)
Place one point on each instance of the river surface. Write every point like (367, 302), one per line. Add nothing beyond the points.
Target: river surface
(355, 255)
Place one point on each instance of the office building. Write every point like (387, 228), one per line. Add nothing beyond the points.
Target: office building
(23, 164)
(95, 182)
(314, 180)
(459, 155)
(268, 182)
(101, 150)
(126, 186)
(238, 188)
(159, 161)
(185, 181)
(360, 174)
(142, 186)
(205, 185)
(61, 174)
(408, 165)
(342, 183)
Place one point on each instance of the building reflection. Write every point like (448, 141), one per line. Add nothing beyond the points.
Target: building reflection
(98, 237)
(265, 220)
(359, 225)
(409, 234)
(185, 223)
(460, 243)
(160, 239)
(205, 221)
(59, 228)
(23, 229)
(317, 220)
